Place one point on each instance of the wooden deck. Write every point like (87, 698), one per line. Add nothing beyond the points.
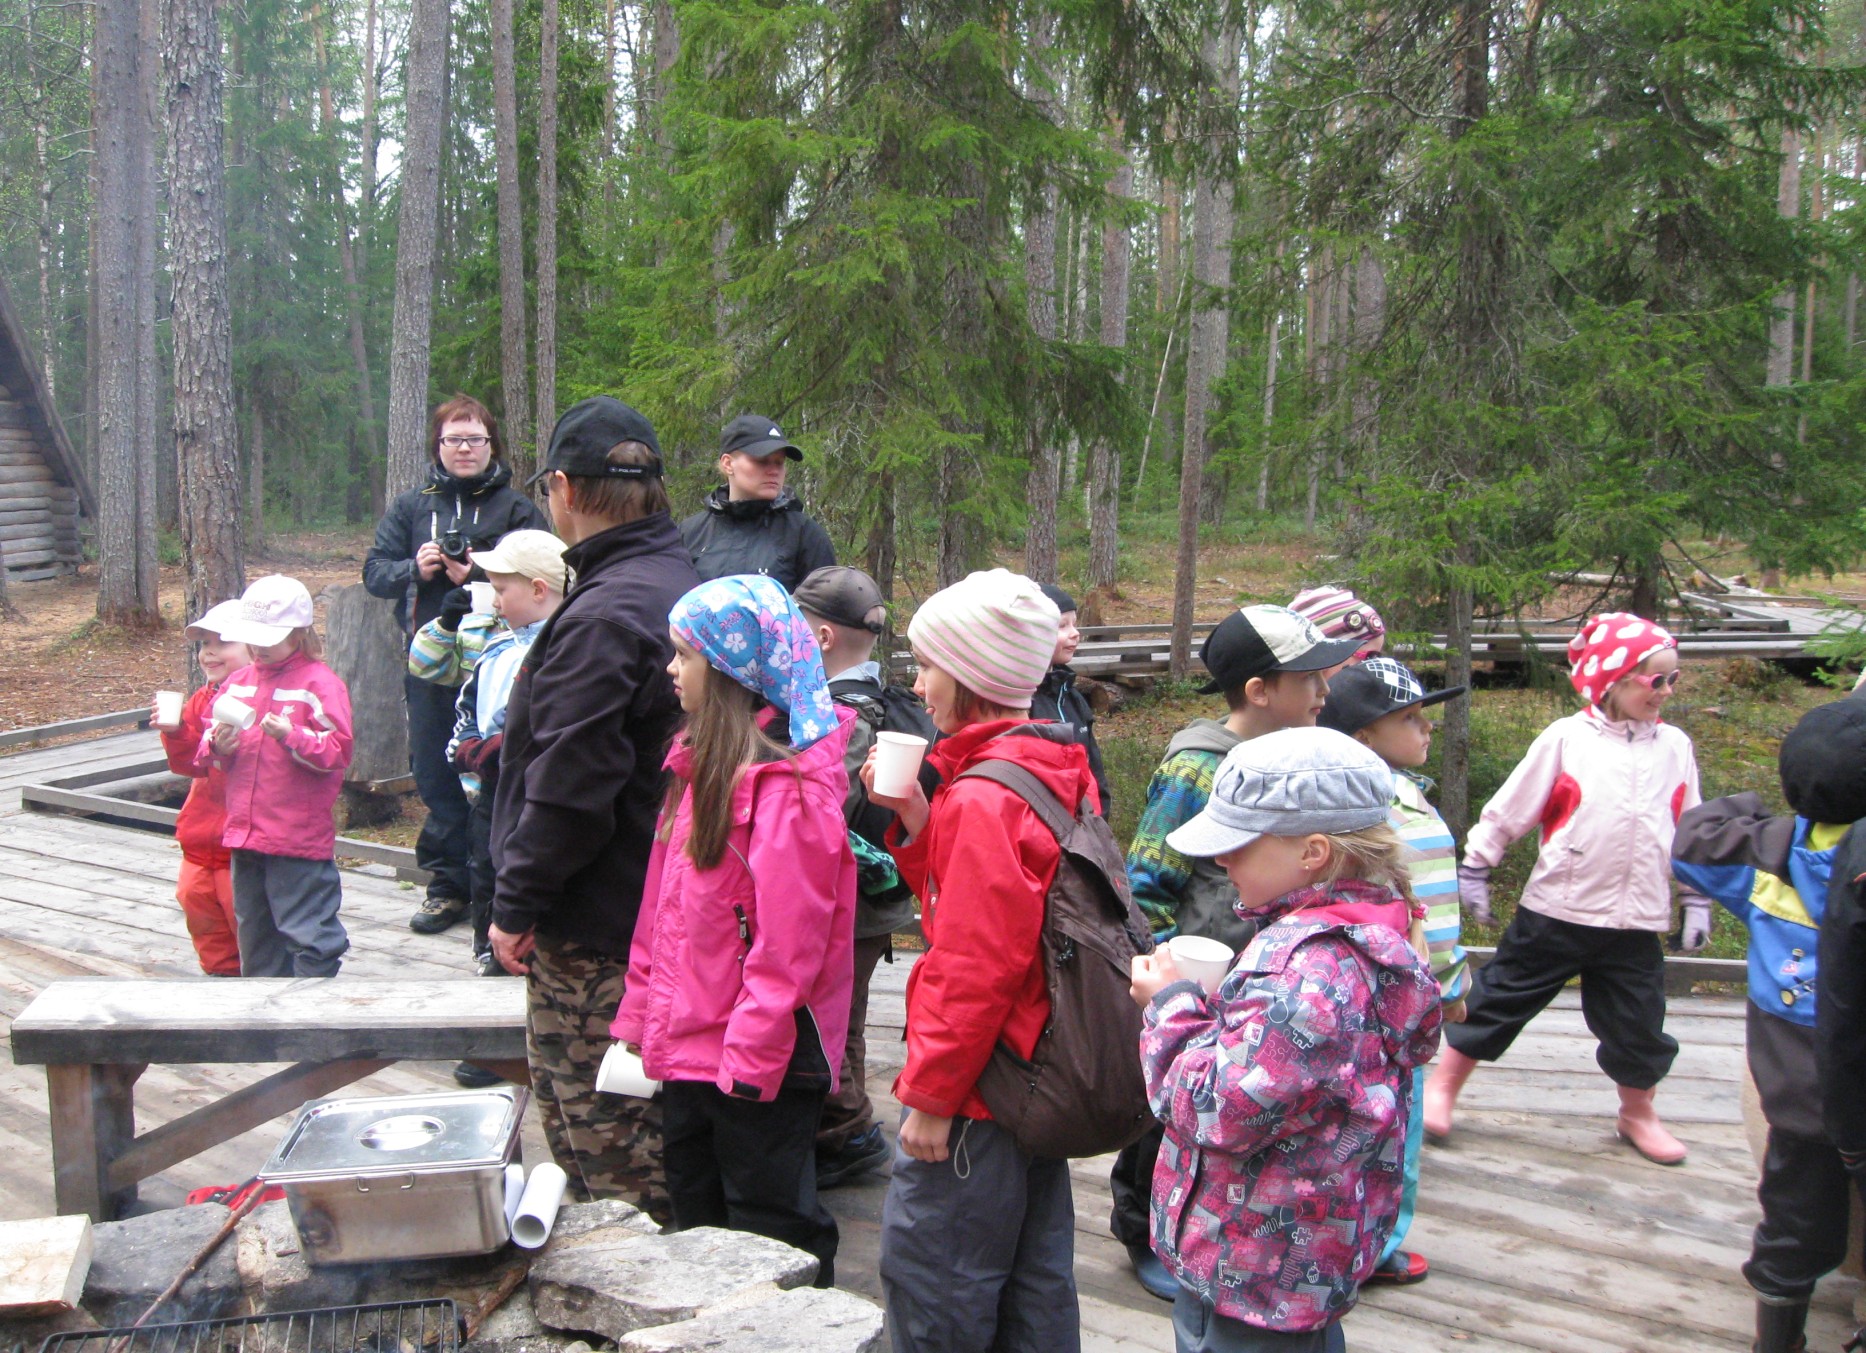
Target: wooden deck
(1543, 1232)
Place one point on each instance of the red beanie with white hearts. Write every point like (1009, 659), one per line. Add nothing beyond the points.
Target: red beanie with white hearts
(1607, 647)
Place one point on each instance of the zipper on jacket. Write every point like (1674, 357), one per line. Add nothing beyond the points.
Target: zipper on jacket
(745, 928)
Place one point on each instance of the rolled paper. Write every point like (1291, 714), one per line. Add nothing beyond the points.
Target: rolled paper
(514, 1192)
(537, 1208)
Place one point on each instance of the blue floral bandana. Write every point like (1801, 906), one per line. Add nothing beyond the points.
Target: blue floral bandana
(748, 627)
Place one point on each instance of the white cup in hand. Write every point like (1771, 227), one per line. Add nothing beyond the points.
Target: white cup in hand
(236, 714)
(897, 763)
(1205, 961)
(168, 709)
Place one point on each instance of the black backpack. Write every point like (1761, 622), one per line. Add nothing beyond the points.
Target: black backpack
(1081, 1092)
(890, 709)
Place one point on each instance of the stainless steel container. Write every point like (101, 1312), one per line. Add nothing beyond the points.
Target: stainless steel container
(400, 1176)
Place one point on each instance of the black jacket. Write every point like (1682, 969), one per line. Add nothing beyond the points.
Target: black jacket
(589, 721)
(1058, 699)
(755, 536)
(1840, 1013)
(482, 509)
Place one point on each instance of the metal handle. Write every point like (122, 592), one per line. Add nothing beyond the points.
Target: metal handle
(362, 1185)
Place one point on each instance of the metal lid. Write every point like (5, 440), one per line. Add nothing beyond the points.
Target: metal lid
(396, 1134)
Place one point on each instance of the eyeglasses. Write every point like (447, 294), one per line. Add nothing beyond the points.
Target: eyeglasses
(465, 443)
(1658, 681)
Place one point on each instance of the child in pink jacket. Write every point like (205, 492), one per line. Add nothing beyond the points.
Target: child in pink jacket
(743, 957)
(1605, 789)
(283, 771)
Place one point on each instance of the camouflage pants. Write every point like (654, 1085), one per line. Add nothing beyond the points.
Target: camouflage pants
(609, 1145)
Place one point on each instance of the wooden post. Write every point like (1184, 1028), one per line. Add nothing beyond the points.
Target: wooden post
(369, 652)
(93, 1120)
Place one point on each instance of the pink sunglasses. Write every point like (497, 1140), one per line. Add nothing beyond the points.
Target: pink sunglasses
(1658, 681)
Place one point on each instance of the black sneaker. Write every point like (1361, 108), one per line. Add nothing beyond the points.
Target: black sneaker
(476, 1077)
(436, 914)
(856, 1157)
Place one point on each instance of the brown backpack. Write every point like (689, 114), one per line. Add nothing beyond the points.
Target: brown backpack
(1081, 1093)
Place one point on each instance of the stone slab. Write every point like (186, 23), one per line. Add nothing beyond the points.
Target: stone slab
(134, 1259)
(605, 1221)
(806, 1320)
(613, 1288)
(276, 1273)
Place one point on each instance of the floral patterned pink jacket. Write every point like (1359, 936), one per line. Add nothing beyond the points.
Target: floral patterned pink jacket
(1285, 1099)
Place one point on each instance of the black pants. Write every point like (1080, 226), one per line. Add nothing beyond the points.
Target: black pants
(1622, 976)
(1803, 1234)
(480, 873)
(747, 1166)
(1131, 1183)
(445, 845)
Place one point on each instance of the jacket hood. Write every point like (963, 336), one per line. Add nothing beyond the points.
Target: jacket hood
(749, 509)
(1203, 735)
(1052, 752)
(495, 476)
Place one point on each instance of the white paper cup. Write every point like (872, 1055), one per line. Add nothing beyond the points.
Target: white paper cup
(621, 1074)
(897, 762)
(234, 713)
(1204, 961)
(168, 709)
(537, 1209)
(482, 597)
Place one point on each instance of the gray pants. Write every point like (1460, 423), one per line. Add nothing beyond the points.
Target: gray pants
(286, 911)
(1197, 1328)
(978, 1251)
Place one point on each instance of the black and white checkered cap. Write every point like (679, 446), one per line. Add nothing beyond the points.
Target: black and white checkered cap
(1373, 689)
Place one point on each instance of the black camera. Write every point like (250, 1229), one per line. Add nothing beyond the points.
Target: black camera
(455, 544)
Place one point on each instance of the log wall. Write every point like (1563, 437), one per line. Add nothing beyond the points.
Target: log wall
(38, 514)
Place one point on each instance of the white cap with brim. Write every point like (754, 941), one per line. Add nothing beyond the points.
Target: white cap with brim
(270, 609)
(529, 554)
(1288, 783)
(215, 621)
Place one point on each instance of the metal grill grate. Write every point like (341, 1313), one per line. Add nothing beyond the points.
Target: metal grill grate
(390, 1327)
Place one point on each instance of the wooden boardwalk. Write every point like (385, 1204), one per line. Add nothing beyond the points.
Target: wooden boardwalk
(1543, 1232)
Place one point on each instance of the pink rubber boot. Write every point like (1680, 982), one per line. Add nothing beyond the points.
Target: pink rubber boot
(1639, 1127)
(1441, 1090)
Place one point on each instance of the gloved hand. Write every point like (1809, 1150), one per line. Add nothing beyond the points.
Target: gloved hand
(455, 607)
(1695, 933)
(475, 753)
(1474, 892)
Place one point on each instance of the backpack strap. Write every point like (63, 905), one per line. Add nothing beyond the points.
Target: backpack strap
(1042, 799)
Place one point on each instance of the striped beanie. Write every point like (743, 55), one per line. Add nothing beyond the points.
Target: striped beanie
(993, 632)
(1339, 614)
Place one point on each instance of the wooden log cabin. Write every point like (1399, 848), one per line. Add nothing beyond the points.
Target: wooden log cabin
(43, 491)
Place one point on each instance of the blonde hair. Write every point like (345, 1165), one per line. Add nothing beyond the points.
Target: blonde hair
(304, 640)
(722, 738)
(1375, 855)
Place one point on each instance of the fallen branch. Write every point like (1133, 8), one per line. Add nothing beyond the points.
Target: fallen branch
(494, 1299)
(201, 1256)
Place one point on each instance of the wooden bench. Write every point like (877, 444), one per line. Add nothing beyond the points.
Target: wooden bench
(95, 1037)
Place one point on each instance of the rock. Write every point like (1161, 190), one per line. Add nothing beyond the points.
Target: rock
(132, 1261)
(611, 1288)
(803, 1321)
(276, 1273)
(605, 1221)
(25, 1334)
(514, 1322)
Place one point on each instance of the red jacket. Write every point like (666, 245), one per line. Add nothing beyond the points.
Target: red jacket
(981, 869)
(203, 817)
(279, 794)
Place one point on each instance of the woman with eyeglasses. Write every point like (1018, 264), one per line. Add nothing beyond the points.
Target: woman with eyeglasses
(1605, 789)
(418, 559)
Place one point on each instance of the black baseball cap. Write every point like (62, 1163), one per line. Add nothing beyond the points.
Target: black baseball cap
(843, 595)
(1823, 762)
(1259, 640)
(752, 434)
(1372, 690)
(588, 430)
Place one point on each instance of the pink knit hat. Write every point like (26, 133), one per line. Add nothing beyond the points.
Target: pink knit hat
(993, 632)
(1339, 614)
(1607, 647)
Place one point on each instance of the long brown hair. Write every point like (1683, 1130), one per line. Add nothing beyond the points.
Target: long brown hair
(723, 738)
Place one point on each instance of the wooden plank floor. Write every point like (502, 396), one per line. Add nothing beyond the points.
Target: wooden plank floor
(1544, 1233)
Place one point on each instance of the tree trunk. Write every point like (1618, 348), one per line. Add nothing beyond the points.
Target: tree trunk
(1105, 462)
(547, 222)
(207, 444)
(1781, 364)
(48, 351)
(515, 380)
(1040, 308)
(256, 481)
(1370, 318)
(122, 78)
(666, 53)
(415, 242)
(1210, 332)
(1455, 739)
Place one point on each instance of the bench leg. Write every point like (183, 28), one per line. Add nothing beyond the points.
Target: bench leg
(93, 1119)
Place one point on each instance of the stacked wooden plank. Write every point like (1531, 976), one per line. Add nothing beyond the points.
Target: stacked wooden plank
(38, 510)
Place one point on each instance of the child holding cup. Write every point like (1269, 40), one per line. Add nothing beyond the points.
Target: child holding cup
(281, 734)
(205, 885)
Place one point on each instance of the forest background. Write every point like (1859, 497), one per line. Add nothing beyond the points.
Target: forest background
(1493, 293)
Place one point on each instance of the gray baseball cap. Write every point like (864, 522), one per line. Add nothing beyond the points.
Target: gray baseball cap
(1288, 783)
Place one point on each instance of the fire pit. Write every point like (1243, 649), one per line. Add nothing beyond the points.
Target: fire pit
(391, 1327)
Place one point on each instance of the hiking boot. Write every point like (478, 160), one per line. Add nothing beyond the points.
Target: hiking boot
(1639, 1127)
(858, 1156)
(1780, 1326)
(1152, 1273)
(476, 1077)
(436, 914)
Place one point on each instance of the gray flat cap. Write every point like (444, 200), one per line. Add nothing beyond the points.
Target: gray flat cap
(1289, 783)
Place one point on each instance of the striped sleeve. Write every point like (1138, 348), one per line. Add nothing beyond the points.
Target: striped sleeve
(1432, 860)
